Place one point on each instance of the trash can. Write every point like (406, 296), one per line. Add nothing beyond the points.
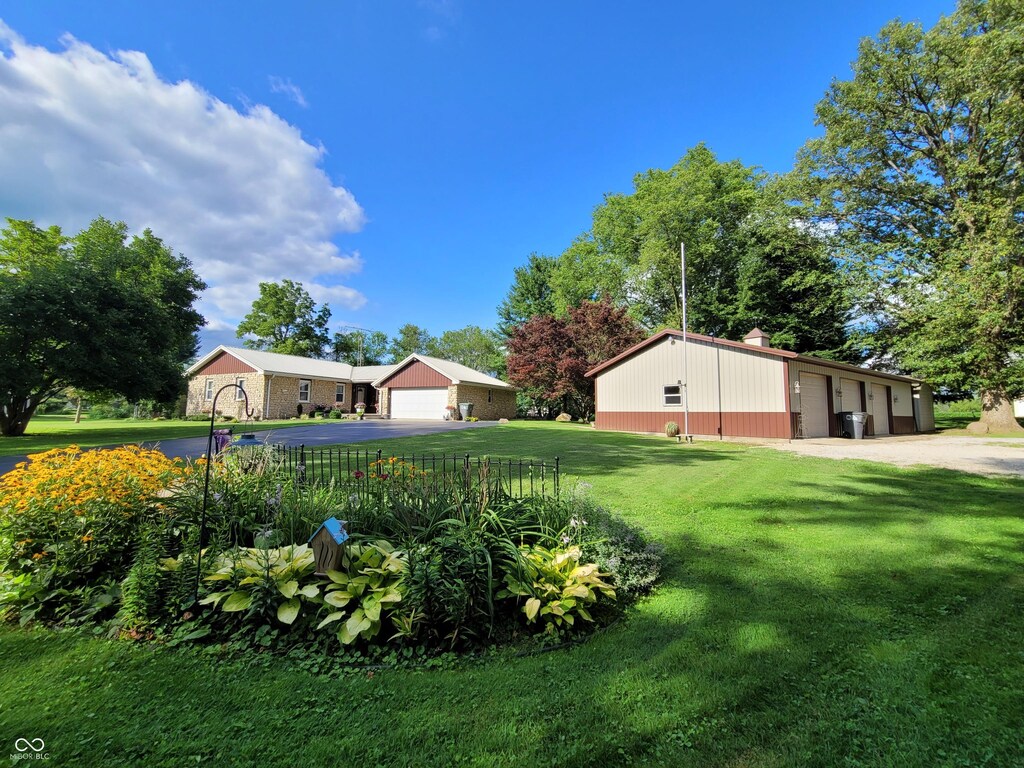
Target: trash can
(860, 423)
(466, 409)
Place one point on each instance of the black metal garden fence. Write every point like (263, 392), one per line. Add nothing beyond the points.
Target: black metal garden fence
(517, 478)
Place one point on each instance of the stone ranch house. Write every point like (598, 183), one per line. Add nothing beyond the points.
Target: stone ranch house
(749, 389)
(282, 386)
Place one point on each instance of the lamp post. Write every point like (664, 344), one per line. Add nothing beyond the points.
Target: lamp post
(206, 480)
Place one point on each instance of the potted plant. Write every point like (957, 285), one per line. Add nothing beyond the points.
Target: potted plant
(360, 409)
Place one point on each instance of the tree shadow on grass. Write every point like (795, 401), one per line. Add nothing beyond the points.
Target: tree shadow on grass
(581, 451)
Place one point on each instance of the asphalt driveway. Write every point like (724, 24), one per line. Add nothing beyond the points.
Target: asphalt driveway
(328, 433)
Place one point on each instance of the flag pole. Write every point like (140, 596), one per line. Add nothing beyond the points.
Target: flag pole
(686, 366)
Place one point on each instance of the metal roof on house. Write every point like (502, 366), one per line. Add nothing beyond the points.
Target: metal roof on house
(370, 373)
(785, 353)
(458, 373)
(273, 362)
(293, 365)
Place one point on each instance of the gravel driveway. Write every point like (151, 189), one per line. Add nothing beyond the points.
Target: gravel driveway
(983, 456)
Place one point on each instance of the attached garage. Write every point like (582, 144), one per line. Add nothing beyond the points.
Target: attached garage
(419, 403)
(422, 387)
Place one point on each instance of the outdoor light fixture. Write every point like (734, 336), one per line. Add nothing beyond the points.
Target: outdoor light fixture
(796, 386)
(895, 398)
(839, 392)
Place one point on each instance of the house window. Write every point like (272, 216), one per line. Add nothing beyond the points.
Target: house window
(489, 391)
(209, 390)
(673, 395)
(339, 392)
(304, 385)
(240, 392)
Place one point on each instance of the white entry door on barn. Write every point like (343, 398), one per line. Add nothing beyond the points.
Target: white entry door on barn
(814, 413)
(419, 403)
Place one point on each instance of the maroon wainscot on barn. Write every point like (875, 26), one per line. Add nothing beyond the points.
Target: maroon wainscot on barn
(749, 389)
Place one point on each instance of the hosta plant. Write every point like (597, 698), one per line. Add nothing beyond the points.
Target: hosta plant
(556, 587)
(366, 590)
(265, 582)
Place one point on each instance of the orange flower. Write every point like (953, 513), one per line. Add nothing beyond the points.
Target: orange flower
(87, 539)
(38, 556)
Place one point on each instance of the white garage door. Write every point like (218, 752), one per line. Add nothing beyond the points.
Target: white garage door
(814, 405)
(850, 399)
(880, 409)
(419, 403)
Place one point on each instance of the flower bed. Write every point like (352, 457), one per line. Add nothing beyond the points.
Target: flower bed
(430, 566)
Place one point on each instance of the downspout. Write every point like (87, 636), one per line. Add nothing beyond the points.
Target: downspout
(266, 398)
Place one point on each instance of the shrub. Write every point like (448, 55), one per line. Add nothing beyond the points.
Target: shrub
(335, 414)
(69, 519)
(671, 429)
(118, 409)
(618, 548)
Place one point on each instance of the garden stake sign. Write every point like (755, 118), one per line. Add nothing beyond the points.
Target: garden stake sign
(206, 481)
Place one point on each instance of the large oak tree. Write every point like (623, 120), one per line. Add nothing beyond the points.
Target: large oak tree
(285, 319)
(749, 259)
(919, 172)
(101, 312)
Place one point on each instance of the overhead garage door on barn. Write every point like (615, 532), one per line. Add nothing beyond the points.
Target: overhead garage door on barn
(880, 409)
(419, 403)
(814, 405)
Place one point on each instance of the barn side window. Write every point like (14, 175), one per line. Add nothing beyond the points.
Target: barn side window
(208, 394)
(240, 392)
(673, 396)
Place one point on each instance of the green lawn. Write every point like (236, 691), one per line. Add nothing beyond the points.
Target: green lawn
(56, 431)
(955, 424)
(812, 613)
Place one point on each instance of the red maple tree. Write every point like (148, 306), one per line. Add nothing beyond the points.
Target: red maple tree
(548, 356)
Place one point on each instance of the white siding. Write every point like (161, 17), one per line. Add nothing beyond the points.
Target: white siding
(746, 381)
(924, 408)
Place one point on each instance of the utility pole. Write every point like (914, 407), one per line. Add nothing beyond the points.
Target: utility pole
(686, 365)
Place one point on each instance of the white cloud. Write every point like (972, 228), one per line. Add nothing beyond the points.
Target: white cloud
(446, 14)
(240, 193)
(288, 88)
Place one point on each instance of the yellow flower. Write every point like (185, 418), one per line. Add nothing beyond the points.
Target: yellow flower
(87, 539)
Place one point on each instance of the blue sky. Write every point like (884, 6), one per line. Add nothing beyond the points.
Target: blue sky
(401, 158)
